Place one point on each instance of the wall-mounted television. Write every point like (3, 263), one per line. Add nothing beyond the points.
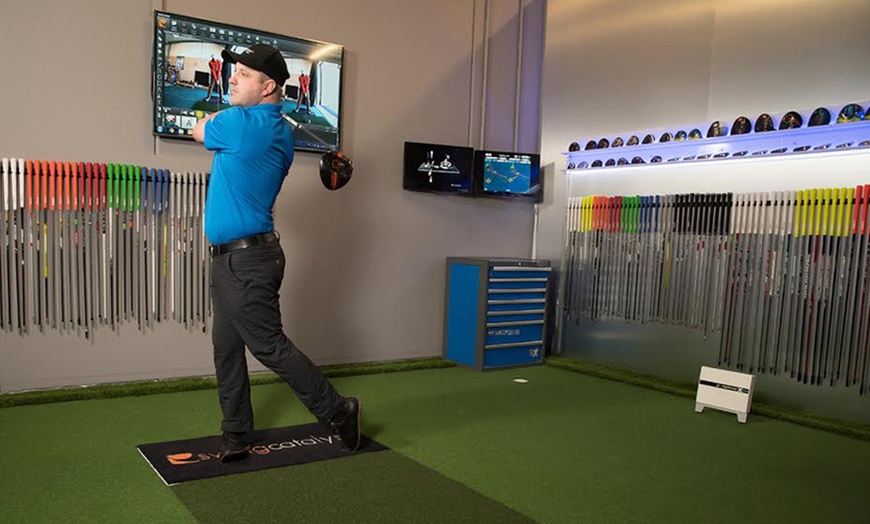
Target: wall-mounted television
(438, 168)
(190, 80)
(507, 174)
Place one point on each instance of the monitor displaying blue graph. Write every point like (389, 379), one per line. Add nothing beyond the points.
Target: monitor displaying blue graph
(508, 174)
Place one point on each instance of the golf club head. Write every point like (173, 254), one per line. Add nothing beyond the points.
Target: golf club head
(335, 170)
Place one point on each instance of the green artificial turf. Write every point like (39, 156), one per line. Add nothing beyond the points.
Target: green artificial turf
(850, 429)
(563, 447)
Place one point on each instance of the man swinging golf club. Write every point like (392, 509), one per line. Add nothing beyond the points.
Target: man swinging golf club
(253, 150)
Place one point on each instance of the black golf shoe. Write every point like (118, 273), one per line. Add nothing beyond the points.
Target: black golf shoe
(234, 446)
(346, 423)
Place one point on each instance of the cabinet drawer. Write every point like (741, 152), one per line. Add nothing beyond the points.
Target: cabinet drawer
(513, 334)
(517, 283)
(514, 316)
(503, 296)
(514, 306)
(518, 273)
(514, 356)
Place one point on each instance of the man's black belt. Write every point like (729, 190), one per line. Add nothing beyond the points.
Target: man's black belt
(244, 243)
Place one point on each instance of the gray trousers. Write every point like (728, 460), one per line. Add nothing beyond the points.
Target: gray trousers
(244, 287)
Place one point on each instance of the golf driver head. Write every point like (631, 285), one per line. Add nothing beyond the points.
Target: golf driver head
(850, 113)
(335, 170)
(820, 117)
(791, 120)
(716, 129)
(741, 126)
(764, 123)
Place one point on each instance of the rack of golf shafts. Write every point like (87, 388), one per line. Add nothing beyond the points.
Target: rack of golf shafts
(783, 278)
(87, 244)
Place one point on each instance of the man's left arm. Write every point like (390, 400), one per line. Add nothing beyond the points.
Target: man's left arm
(199, 128)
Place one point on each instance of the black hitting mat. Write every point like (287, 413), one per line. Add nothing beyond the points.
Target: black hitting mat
(194, 459)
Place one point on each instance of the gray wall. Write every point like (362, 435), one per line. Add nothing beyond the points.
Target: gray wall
(617, 67)
(365, 272)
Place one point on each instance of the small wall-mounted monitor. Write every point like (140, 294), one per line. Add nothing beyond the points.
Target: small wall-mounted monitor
(507, 174)
(438, 168)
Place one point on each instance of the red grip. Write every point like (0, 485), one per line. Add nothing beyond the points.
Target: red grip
(66, 185)
(74, 185)
(89, 172)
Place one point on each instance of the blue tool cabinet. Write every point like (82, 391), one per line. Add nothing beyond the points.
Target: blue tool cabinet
(495, 312)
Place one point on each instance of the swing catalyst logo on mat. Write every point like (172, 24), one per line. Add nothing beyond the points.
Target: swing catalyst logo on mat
(187, 457)
(193, 459)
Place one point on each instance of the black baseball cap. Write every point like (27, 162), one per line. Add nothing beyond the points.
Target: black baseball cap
(263, 58)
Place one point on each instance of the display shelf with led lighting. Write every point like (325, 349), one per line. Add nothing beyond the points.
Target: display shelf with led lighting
(854, 135)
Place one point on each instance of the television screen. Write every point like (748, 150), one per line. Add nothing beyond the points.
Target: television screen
(438, 168)
(191, 80)
(508, 174)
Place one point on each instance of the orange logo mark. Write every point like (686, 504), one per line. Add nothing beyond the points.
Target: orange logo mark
(178, 459)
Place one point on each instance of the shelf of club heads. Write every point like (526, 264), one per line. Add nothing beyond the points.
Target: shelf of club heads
(781, 278)
(850, 130)
(87, 246)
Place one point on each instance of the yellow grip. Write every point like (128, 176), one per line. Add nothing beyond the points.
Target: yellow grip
(826, 212)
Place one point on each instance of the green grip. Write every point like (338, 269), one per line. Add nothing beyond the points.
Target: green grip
(128, 202)
(113, 186)
(117, 196)
(124, 181)
(626, 202)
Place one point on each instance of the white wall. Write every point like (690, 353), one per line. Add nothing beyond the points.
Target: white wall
(365, 272)
(617, 68)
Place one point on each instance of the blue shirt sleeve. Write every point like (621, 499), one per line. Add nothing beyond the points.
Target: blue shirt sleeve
(223, 132)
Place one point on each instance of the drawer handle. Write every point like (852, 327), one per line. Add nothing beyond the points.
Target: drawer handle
(515, 312)
(515, 323)
(518, 301)
(502, 291)
(521, 268)
(514, 344)
(518, 279)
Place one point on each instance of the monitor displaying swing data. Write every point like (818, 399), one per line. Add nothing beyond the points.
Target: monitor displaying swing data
(438, 168)
(191, 79)
(507, 174)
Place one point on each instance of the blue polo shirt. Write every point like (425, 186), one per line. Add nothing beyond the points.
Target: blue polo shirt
(253, 150)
